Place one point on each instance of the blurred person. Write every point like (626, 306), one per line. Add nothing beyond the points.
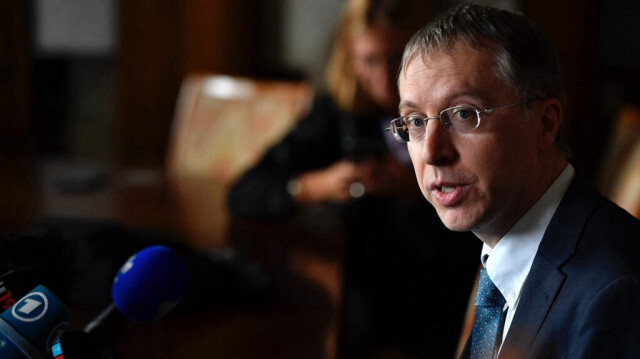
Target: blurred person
(342, 179)
(481, 112)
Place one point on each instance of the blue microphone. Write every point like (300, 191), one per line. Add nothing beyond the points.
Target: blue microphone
(150, 284)
(31, 326)
(147, 286)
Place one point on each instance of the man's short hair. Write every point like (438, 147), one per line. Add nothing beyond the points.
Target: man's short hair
(523, 54)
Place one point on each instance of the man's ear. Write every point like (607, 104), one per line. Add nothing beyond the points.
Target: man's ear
(550, 120)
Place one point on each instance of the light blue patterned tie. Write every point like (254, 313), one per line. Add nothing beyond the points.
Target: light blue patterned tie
(489, 304)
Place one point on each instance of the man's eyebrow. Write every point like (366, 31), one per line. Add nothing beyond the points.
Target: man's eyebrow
(463, 92)
(404, 104)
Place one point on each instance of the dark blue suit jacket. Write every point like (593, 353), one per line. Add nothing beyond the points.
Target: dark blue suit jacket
(582, 296)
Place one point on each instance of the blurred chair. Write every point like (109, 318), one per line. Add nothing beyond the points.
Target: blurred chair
(620, 175)
(627, 192)
(222, 126)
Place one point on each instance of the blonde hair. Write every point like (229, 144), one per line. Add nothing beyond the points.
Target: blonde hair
(358, 16)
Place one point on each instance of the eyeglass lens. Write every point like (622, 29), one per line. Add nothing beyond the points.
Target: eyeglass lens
(457, 119)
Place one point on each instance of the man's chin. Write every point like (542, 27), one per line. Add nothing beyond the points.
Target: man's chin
(455, 223)
(459, 228)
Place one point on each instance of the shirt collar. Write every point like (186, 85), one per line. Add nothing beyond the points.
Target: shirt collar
(510, 260)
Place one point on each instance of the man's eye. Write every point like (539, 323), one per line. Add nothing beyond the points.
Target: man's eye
(415, 121)
(463, 113)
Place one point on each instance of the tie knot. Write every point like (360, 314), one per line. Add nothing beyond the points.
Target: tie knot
(488, 294)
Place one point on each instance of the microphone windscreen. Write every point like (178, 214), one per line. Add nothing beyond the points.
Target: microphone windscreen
(31, 326)
(150, 283)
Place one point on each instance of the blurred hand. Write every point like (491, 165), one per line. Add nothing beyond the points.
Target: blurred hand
(346, 180)
(329, 184)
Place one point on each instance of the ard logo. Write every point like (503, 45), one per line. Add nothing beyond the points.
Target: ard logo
(31, 308)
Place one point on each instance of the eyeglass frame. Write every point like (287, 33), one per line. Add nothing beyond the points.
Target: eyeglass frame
(478, 111)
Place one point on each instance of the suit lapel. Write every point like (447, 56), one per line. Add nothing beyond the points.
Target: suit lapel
(538, 294)
(546, 276)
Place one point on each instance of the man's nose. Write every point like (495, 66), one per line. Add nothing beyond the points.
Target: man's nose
(437, 147)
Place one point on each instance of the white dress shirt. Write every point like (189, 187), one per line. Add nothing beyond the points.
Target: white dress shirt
(509, 262)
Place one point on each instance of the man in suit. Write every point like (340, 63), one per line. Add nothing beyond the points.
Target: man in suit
(481, 107)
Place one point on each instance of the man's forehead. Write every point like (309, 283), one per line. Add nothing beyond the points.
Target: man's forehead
(444, 78)
(460, 69)
(456, 53)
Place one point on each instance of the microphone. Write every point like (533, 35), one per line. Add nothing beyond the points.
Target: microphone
(147, 286)
(150, 284)
(15, 284)
(34, 258)
(31, 326)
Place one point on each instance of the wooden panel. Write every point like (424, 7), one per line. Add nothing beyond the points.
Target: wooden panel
(572, 26)
(15, 77)
(17, 197)
(160, 43)
(147, 79)
(217, 36)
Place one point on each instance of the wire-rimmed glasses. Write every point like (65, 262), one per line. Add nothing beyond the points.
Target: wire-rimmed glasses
(460, 119)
